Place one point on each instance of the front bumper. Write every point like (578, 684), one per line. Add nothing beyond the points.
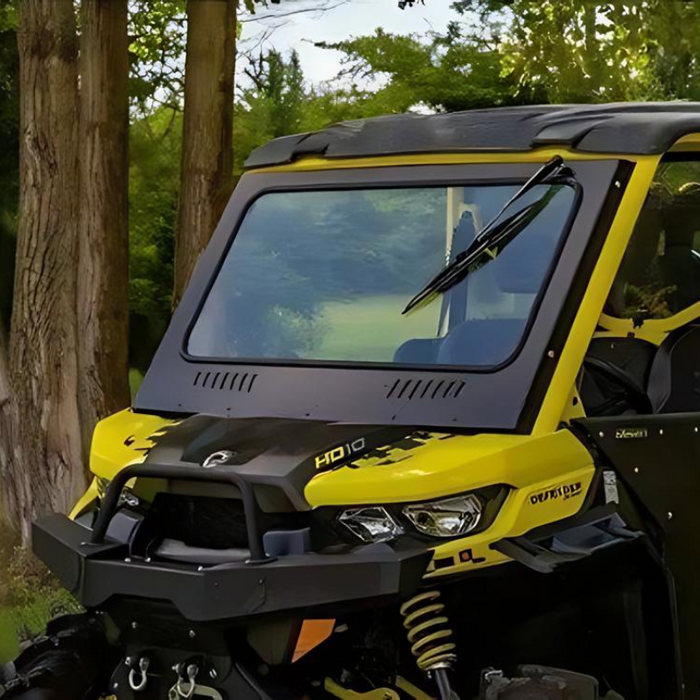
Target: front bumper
(94, 573)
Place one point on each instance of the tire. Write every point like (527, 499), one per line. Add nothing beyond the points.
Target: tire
(69, 663)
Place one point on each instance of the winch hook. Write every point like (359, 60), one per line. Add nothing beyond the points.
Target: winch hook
(180, 691)
(140, 684)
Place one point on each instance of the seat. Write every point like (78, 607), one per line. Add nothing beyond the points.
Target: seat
(601, 391)
(481, 343)
(674, 378)
(618, 370)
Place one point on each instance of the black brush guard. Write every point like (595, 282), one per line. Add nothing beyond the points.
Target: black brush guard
(95, 569)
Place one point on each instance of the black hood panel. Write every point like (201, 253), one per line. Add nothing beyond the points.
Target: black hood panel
(279, 456)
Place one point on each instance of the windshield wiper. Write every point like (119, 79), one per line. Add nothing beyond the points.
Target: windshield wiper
(493, 237)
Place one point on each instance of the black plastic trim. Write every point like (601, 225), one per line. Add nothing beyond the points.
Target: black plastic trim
(634, 128)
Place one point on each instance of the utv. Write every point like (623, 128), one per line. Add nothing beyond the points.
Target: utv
(425, 425)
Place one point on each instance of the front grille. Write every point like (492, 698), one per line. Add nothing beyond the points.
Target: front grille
(199, 521)
(209, 522)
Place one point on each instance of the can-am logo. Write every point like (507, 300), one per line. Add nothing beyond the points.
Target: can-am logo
(563, 492)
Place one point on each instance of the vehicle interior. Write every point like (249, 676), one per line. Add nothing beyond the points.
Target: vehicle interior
(652, 367)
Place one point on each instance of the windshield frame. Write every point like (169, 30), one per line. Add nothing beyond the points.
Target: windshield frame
(502, 399)
(363, 187)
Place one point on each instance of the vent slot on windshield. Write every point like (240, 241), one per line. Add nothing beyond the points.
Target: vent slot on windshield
(416, 389)
(226, 381)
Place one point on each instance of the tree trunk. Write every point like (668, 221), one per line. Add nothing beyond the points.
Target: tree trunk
(207, 154)
(4, 376)
(103, 282)
(41, 461)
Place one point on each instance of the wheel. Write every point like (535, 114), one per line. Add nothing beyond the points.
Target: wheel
(69, 663)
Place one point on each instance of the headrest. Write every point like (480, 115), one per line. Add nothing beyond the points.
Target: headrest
(522, 266)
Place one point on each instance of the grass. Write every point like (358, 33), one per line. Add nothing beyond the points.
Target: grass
(29, 596)
(372, 329)
(135, 379)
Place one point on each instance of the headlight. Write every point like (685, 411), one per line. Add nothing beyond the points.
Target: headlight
(371, 523)
(450, 517)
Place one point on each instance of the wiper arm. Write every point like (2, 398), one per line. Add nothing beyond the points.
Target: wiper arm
(495, 235)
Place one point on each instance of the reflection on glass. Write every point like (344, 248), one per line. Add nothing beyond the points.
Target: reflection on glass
(325, 276)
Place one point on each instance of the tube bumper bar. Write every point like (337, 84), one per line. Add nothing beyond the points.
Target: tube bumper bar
(96, 572)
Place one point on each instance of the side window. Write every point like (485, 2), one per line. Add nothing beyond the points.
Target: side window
(660, 273)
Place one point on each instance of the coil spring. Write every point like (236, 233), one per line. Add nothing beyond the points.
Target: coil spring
(428, 631)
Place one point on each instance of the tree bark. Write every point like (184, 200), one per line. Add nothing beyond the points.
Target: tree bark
(103, 282)
(40, 454)
(207, 154)
(4, 376)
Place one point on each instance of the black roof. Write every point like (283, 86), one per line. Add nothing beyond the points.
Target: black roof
(625, 127)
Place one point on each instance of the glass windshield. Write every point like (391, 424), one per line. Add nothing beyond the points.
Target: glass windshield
(325, 275)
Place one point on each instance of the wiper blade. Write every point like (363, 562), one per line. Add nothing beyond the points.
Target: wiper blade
(493, 237)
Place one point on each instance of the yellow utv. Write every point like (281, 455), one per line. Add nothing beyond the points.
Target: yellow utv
(426, 424)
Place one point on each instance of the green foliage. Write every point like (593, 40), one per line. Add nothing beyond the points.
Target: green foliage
(443, 72)
(158, 31)
(153, 186)
(29, 596)
(278, 102)
(574, 51)
(589, 51)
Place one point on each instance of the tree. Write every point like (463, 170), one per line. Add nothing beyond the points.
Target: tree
(207, 154)
(9, 153)
(594, 51)
(103, 294)
(40, 453)
(447, 72)
(158, 33)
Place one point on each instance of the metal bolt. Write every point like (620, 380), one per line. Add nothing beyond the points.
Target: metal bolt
(695, 430)
(670, 515)
(193, 634)
(115, 686)
(127, 661)
(550, 354)
(127, 560)
(618, 184)
(200, 568)
(661, 431)
(601, 434)
(148, 560)
(636, 470)
(213, 674)
(134, 625)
